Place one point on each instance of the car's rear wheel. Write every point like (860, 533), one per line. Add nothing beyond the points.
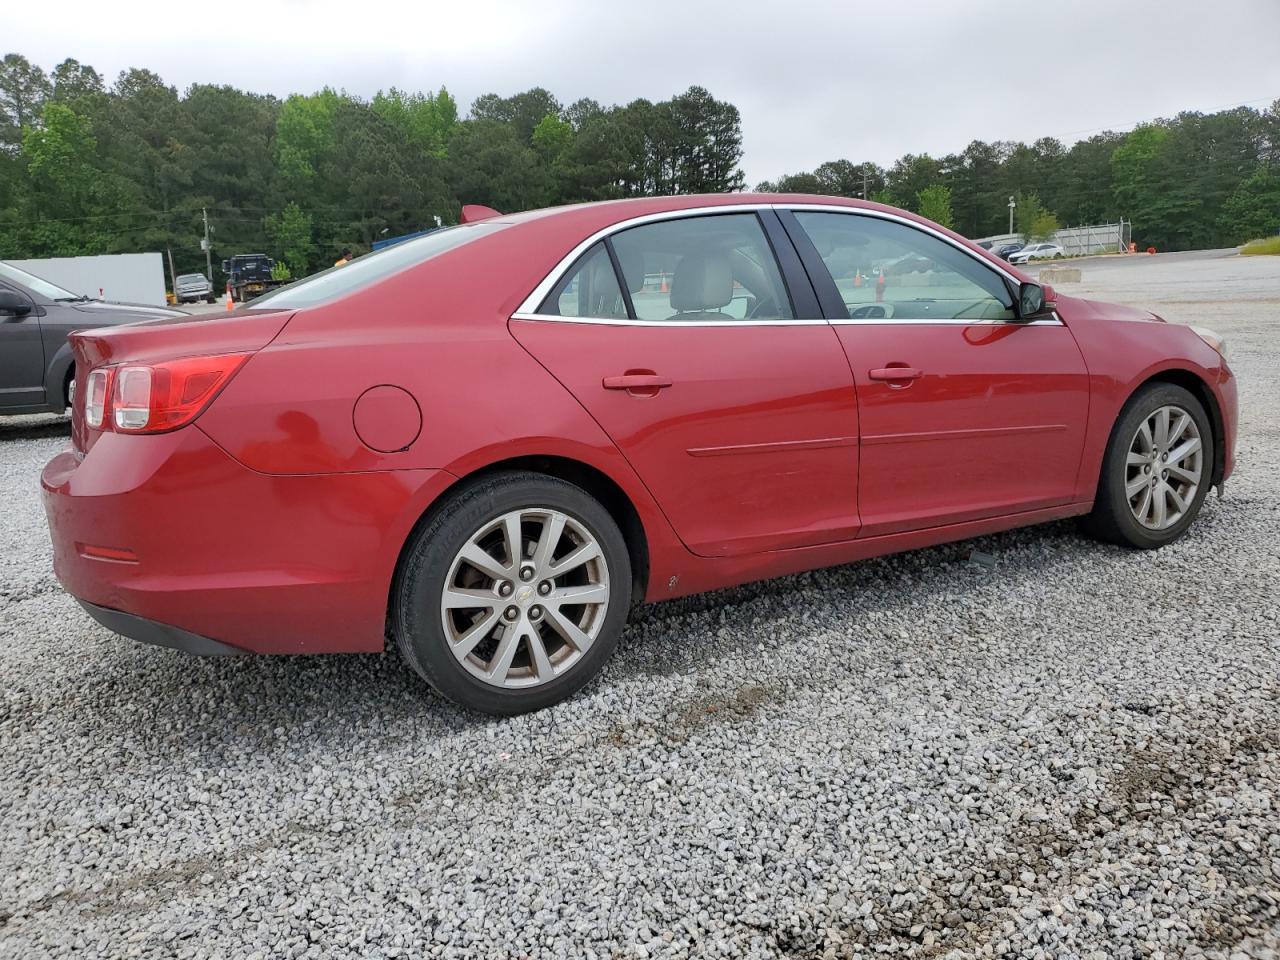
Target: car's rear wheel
(514, 594)
(1157, 470)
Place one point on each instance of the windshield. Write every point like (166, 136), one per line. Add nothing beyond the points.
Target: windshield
(364, 271)
(50, 291)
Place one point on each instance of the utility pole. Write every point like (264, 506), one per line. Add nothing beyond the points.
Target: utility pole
(1012, 203)
(208, 254)
(173, 274)
(864, 181)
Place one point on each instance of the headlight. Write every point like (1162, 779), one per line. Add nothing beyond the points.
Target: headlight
(1215, 340)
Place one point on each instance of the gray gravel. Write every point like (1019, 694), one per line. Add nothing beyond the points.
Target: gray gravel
(1072, 754)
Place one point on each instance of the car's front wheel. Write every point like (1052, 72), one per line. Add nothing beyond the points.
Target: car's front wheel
(1157, 469)
(514, 594)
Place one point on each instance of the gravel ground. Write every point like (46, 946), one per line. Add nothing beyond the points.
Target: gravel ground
(1072, 754)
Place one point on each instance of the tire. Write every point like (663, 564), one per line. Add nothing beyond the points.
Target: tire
(1115, 517)
(542, 665)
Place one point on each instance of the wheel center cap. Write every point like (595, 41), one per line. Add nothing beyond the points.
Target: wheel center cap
(524, 595)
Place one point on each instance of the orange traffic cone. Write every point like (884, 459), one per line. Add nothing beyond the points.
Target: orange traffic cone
(880, 288)
(857, 279)
(664, 288)
(230, 303)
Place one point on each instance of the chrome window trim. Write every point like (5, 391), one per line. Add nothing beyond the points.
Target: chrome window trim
(628, 322)
(885, 215)
(528, 309)
(946, 322)
(529, 306)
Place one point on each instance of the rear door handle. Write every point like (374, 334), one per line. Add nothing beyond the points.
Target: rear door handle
(896, 373)
(636, 381)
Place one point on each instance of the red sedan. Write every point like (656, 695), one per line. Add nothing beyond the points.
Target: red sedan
(488, 443)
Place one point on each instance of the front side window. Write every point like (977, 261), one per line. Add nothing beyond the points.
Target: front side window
(699, 269)
(886, 270)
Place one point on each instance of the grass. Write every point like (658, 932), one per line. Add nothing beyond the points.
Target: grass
(1270, 245)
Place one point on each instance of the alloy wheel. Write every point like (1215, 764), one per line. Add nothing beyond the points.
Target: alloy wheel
(525, 598)
(1164, 467)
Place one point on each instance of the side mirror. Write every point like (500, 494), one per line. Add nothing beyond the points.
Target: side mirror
(226, 266)
(13, 304)
(1034, 301)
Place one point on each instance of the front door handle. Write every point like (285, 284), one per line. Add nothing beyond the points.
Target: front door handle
(638, 384)
(896, 373)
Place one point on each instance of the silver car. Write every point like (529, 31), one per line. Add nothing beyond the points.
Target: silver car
(191, 287)
(36, 373)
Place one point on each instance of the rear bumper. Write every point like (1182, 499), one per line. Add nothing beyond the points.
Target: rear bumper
(168, 539)
(156, 634)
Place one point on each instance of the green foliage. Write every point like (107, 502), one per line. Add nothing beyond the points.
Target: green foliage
(1269, 246)
(87, 167)
(1033, 219)
(291, 239)
(1044, 226)
(934, 203)
(427, 121)
(281, 271)
(23, 91)
(1253, 209)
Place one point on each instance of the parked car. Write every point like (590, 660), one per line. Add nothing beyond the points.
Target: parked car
(191, 287)
(490, 442)
(1036, 251)
(1005, 250)
(36, 367)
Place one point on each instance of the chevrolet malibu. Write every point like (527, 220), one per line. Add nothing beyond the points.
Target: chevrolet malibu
(489, 443)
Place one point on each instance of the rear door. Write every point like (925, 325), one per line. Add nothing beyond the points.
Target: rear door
(965, 413)
(720, 383)
(21, 356)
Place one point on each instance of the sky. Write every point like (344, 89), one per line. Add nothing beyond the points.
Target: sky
(815, 80)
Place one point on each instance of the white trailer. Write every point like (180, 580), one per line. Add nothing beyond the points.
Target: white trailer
(126, 277)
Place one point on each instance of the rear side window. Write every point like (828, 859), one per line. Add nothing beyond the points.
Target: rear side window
(886, 270)
(589, 289)
(699, 269)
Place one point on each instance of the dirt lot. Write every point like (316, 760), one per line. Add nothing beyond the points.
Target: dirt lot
(1074, 753)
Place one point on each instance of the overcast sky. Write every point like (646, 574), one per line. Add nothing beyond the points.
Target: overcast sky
(815, 79)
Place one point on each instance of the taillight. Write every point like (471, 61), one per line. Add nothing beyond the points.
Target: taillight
(155, 397)
(95, 396)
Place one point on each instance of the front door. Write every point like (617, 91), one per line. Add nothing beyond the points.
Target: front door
(21, 357)
(736, 410)
(965, 413)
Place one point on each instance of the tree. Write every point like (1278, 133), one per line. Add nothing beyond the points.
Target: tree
(911, 174)
(67, 189)
(23, 91)
(290, 233)
(427, 121)
(489, 164)
(524, 111)
(708, 143)
(1253, 209)
(934, 203)
(73, 80)
(1035, 223)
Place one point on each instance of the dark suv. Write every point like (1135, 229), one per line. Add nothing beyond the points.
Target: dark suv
(36, 374)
